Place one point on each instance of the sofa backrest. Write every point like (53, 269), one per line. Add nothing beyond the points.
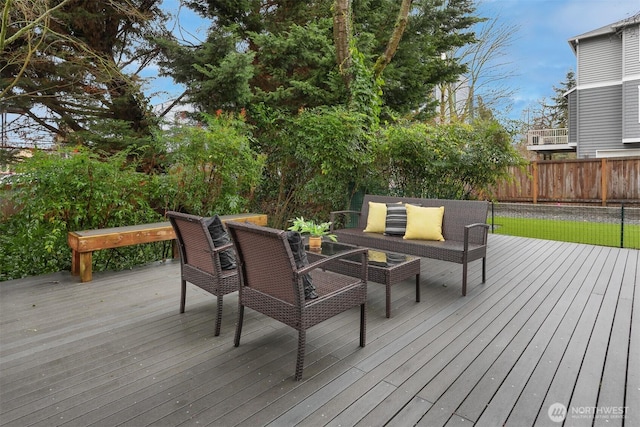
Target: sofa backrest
(457, 214)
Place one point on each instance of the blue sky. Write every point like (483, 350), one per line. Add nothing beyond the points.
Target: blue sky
(539, 56)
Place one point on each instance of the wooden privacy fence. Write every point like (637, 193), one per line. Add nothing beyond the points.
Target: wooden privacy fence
(601, 181)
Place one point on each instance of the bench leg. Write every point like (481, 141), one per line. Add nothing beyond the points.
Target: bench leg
(84, 262)
(175, 249)
(75, 263)
(418, 287)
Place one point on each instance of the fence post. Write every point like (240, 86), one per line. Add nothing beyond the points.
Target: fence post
(622, 225)
(535, 182)
(603, 181)
(493, 223)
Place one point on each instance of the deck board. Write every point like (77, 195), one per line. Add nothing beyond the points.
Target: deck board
(589, 379)
(547, 343)
(555, 322)
(513, 313)
(632, 391)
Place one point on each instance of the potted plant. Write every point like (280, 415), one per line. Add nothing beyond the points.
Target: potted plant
(315, 231)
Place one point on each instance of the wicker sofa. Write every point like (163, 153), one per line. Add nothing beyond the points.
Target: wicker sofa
(464, 228)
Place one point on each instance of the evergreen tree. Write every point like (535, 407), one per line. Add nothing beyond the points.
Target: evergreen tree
(560, 107)
(72, 66)
(283, 53)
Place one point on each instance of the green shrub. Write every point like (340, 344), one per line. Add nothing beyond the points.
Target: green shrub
(454, 161)
(303, 165)
(315, 160)
(71, 191)
(212, 169)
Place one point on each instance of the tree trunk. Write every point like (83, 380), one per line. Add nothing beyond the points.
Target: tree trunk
(394, 40)
(342, 37)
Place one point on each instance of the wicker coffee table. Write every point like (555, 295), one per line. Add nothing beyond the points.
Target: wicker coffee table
(385, 267)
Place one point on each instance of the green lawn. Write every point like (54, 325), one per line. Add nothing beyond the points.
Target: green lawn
(593, 233)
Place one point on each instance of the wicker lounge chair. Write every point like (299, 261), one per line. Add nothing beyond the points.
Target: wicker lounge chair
(200, 260)
(272, 285)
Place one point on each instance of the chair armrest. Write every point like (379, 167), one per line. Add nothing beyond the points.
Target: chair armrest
(468, 228)
(332, 216)
(220, 248)
(215, 254)
(320, 263)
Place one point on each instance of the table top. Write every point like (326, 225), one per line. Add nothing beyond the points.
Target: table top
(377, 257)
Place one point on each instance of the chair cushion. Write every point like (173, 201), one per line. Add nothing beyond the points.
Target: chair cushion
(424, 223)
(220, 237)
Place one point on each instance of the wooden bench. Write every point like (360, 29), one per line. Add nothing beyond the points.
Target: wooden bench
(83, 243)
(464, 228)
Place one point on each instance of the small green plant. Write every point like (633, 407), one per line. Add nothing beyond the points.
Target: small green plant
(313, 228)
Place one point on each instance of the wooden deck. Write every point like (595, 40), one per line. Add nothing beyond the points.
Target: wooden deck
(555, 323)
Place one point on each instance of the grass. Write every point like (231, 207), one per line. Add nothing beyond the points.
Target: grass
(593, 233)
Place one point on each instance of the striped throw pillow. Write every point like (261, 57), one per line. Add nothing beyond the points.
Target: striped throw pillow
(396, 221)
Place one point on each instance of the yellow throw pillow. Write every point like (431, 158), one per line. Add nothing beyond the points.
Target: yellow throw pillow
(377, 217)
(424, 223)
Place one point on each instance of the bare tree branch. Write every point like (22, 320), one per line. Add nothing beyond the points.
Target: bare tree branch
(486, 71)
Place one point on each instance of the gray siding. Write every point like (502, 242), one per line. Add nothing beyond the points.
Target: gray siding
(599, 60)
(599, 120)
(631, 104)
(631, 46)
(572, 99)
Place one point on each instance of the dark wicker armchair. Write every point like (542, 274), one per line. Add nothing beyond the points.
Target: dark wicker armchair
(272, 285)
(200, 260)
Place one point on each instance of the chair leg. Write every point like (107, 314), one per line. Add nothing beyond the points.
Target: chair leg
(464, 279)
(363, 325)
(418, 287)
(484, 269)
(302, 338)
(388, 300)
(183, 295)
(218, 315)
(236, 341)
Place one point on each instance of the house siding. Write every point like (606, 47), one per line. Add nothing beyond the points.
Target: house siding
(631, 87)
(599, 120)
(604, 111)
(599, 60)
(631, 110)
(631, 47)
(572, 99)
